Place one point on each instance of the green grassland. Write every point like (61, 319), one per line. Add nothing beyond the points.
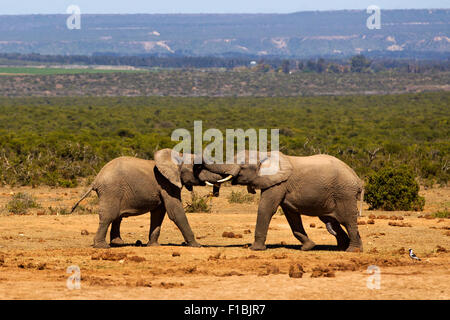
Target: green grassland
(58, 140)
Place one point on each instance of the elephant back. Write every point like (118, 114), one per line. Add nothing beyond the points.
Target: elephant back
(325, 172)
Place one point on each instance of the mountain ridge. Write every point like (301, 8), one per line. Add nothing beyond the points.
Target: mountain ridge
(298, 34)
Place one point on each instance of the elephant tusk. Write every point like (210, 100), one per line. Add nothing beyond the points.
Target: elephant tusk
(225, 179)
(330, 229)
(209, 184)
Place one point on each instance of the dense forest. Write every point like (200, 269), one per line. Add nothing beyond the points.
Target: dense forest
(57, 141)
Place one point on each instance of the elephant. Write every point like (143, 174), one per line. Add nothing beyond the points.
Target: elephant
(128, 186)
(319, 185)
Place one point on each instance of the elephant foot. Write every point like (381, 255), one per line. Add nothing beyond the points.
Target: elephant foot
(354, 249)
(193, 244)
(308, 245)
(258, 247)
(153, 244)
(101, 245)
(343, 242)
(342, 246)
(117, 242)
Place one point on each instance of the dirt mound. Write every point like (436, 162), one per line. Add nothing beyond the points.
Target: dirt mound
(376, 234)
(296, 271)
(229, 274)
(136, 259)
(100, 281)
(30, 265)
(322, 272)
(171, 285)
(227, 234)
(269, 269)
(280, 256)
(109, 256)
(396, 218)
(399, 224)
(141, 283)
(216, 257)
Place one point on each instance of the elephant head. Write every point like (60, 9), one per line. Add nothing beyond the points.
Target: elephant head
(180, 170)
(255, 170)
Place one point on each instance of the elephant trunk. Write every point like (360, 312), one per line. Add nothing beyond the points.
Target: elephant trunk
(211, 179)
(216, 190)
(228, 170)
(208, 176)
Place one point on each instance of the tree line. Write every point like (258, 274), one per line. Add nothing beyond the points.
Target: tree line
(357, 63)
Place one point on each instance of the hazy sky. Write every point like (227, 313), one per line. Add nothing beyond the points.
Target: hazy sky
(206, 6)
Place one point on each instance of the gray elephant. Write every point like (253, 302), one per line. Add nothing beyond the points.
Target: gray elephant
(319, 185)
(129, 186)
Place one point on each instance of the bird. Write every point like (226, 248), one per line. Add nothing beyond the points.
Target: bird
(413, 256)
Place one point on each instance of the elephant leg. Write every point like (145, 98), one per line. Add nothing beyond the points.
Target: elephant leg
(114, 235)
(295, 222)
(355, 239)
(271, 198)
(108, 212)
(156, 219)
(348, 212)
(342, 238)
(175, 211)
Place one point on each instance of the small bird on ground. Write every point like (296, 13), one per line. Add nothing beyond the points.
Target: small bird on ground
(413, 256)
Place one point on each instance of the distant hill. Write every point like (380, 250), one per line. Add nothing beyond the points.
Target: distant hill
(302, 34)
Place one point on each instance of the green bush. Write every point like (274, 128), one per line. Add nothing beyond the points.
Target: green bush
(58, 211)
(393, 189)
(240, 197)
(21, 202)
(442, 214)
(198, 204)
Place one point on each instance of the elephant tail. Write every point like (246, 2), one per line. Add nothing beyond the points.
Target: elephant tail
(361, 194)
(83, 197)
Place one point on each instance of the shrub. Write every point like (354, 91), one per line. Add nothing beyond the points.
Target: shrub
(393, 189)
(84, 210)
(198, 204)
(21, 202)
(58, 211)
(240, 197)
(442, 214)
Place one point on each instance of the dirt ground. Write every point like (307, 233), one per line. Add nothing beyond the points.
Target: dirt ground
(36, 249)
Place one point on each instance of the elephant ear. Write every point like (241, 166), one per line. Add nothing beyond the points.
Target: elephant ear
(168, 163)
(273, 169)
